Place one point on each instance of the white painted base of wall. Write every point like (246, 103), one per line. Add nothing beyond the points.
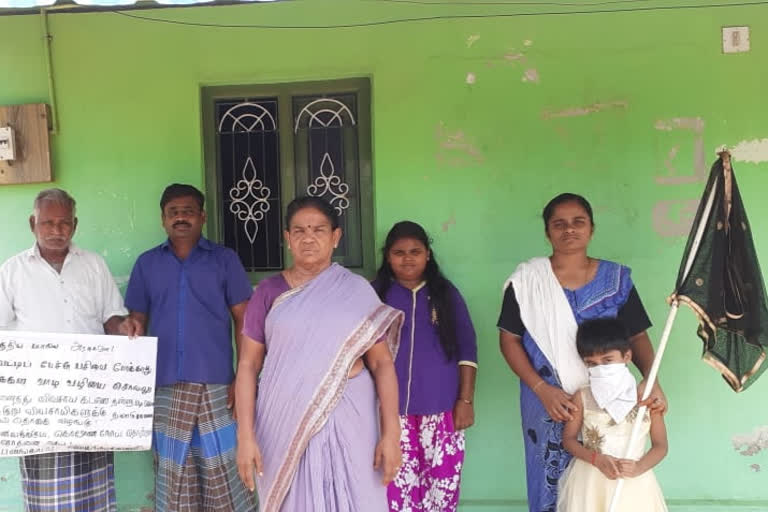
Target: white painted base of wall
(718, 508)
(674, 506)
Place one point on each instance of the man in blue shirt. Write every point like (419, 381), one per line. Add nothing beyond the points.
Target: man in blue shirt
(187, 291)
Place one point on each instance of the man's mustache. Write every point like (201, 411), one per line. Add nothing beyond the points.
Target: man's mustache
(182, 223)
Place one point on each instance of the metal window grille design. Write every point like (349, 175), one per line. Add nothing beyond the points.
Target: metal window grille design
(250, 200)
(329, 184)
(326, 154)
(248, 149)
(323, 113)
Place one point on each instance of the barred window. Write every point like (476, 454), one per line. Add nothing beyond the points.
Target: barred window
(265, 145)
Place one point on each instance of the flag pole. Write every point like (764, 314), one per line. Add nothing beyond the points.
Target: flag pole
(651, 378)
(650, 381)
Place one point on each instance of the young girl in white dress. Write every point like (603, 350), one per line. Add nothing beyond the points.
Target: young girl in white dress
(598, 434)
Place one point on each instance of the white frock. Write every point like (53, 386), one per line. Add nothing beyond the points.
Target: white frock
(583, 488)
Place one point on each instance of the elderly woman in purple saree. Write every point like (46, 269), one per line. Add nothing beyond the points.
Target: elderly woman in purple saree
(317, 439)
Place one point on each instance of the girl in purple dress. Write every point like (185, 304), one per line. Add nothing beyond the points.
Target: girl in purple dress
(436, 367)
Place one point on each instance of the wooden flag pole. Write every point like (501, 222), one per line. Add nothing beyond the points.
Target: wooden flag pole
(651, 378)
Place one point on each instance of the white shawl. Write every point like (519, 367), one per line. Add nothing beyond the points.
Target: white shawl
(548, 318)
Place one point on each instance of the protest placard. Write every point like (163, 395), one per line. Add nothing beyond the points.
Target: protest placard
(75, 392)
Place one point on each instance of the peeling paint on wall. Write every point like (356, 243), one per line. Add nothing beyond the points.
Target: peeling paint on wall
(531, 75)
(472, 40)
(455, 148)
(673, 218)
(699, 166)
(671, 156)
(752, 151)
(514, 57)
(699, 174)
(751, 444)
(450, 222)
(585, 110)
(690, 123)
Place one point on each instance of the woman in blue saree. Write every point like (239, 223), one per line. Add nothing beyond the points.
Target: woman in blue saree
(544, 301)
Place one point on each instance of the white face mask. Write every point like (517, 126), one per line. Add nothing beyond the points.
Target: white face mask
(614, 389)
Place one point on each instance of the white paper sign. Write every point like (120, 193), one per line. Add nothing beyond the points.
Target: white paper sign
(75, 392)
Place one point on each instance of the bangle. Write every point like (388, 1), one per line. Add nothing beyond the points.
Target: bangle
(537, 385)
(594, 456)
(468, 402)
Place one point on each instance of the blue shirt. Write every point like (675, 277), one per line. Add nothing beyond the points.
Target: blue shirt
(188, 303)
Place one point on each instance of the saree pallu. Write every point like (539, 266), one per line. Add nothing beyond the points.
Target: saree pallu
(68, 482)
(195, 459)
(433, 456)
(317, 428)
(545, 457)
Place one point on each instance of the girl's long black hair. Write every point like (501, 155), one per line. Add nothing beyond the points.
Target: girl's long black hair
(441, 300)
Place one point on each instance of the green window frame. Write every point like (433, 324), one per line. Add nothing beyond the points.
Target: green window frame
(297, 137)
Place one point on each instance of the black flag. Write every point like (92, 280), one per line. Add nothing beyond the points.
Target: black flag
(720, 280)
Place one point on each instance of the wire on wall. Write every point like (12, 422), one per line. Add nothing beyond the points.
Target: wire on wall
(445, 17)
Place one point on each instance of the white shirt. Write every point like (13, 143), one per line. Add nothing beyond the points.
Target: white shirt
(80, 299)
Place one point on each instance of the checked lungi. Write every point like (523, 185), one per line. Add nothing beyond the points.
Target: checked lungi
(68, 482)
(195, 443)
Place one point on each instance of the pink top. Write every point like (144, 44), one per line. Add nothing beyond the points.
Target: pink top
(261, 302)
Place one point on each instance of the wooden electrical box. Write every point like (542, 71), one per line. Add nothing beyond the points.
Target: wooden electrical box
(32, 162)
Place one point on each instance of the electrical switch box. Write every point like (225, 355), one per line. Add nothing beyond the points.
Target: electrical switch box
(25, 154)
(7, 148)
(735, 39)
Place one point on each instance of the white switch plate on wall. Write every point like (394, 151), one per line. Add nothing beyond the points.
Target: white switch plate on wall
(735, 39)
(7, 149)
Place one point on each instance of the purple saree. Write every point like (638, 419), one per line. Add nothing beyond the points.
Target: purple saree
(317, 428)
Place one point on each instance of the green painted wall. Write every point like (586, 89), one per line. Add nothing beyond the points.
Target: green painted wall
(584, 103)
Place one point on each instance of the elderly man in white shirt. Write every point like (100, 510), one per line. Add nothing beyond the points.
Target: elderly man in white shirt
(58, 287)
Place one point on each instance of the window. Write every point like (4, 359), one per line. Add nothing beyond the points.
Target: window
(265, 145)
